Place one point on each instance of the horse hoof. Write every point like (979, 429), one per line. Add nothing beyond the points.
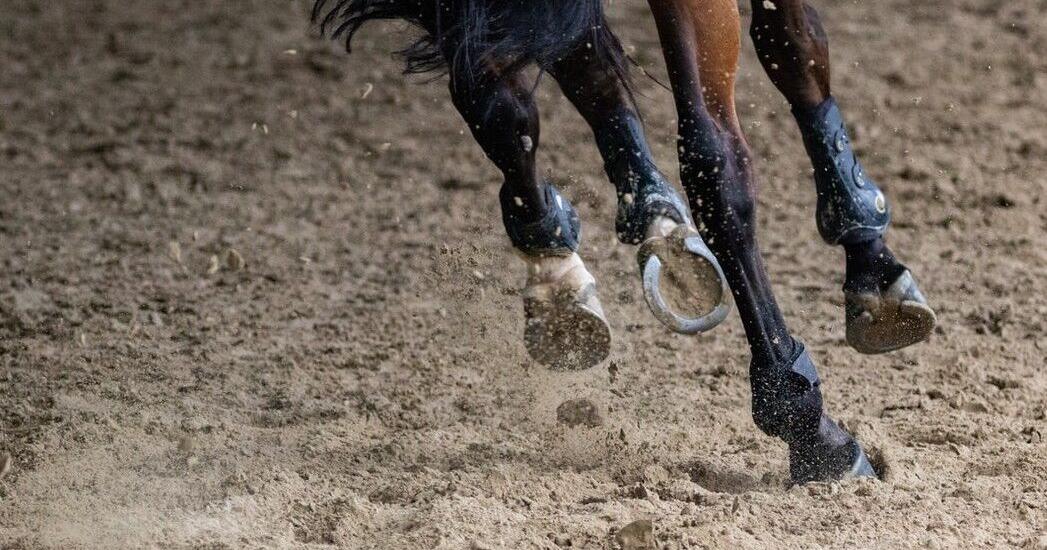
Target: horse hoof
(566, 328)
(843, 463)
(896, 318)
(682, 281)
(862, 466)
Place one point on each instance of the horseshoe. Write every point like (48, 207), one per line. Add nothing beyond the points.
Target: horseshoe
(687, 244)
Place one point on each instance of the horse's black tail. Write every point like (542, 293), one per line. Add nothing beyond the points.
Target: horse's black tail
(468, 35)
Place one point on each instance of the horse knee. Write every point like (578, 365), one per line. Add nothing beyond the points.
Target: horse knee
(790, 19)
(556, 231)
(716, 173)
(793, 49)
(503, 118)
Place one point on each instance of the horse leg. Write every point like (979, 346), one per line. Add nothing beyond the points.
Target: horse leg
(700, 40)
(885, 310)
(566, 328)
(675, 263)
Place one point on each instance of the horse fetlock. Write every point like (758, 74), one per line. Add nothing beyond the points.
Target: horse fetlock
(661, 227)
(556, 232)
(851, 208)
(644, 194)
(787, 402)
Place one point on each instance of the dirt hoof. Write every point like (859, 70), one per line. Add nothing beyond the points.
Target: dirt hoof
(897, 318)
(567, 333)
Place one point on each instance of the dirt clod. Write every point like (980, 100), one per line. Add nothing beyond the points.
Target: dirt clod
(579, 412)
(7, 464)
(186, 444)
(638, 535)
(233, 260)
(174, 251)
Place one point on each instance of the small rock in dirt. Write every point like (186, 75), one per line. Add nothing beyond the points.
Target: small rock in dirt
(212, 266)
(638, 535)
(233, 260)
(174, 251)
(7, 463)
(655, 474)
(579, 412)
(498, 484)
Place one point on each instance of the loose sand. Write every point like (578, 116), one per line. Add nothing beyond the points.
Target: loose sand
(353, 373)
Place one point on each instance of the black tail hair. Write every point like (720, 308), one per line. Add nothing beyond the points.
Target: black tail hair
(467, 35)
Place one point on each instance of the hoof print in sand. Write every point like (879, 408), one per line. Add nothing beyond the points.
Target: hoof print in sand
(579, 412)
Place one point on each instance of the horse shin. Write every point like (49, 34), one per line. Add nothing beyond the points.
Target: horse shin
(885, 310)
(701, 42)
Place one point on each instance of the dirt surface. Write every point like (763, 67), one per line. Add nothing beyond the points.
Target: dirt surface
(352, 374)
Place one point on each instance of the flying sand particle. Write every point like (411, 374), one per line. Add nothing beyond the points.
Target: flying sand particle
(7, 464)
(233, 260)
(174, 251)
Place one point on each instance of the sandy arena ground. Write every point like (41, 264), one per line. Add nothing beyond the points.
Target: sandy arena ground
(255, 293)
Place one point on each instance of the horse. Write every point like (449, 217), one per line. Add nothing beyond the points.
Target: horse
(688, 263)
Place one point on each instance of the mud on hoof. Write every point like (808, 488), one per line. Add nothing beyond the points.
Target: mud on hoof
(897, 317)
(834, 456)
(565, 324)
(682, 282)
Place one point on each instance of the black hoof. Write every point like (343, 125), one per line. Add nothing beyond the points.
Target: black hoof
(834, 456)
